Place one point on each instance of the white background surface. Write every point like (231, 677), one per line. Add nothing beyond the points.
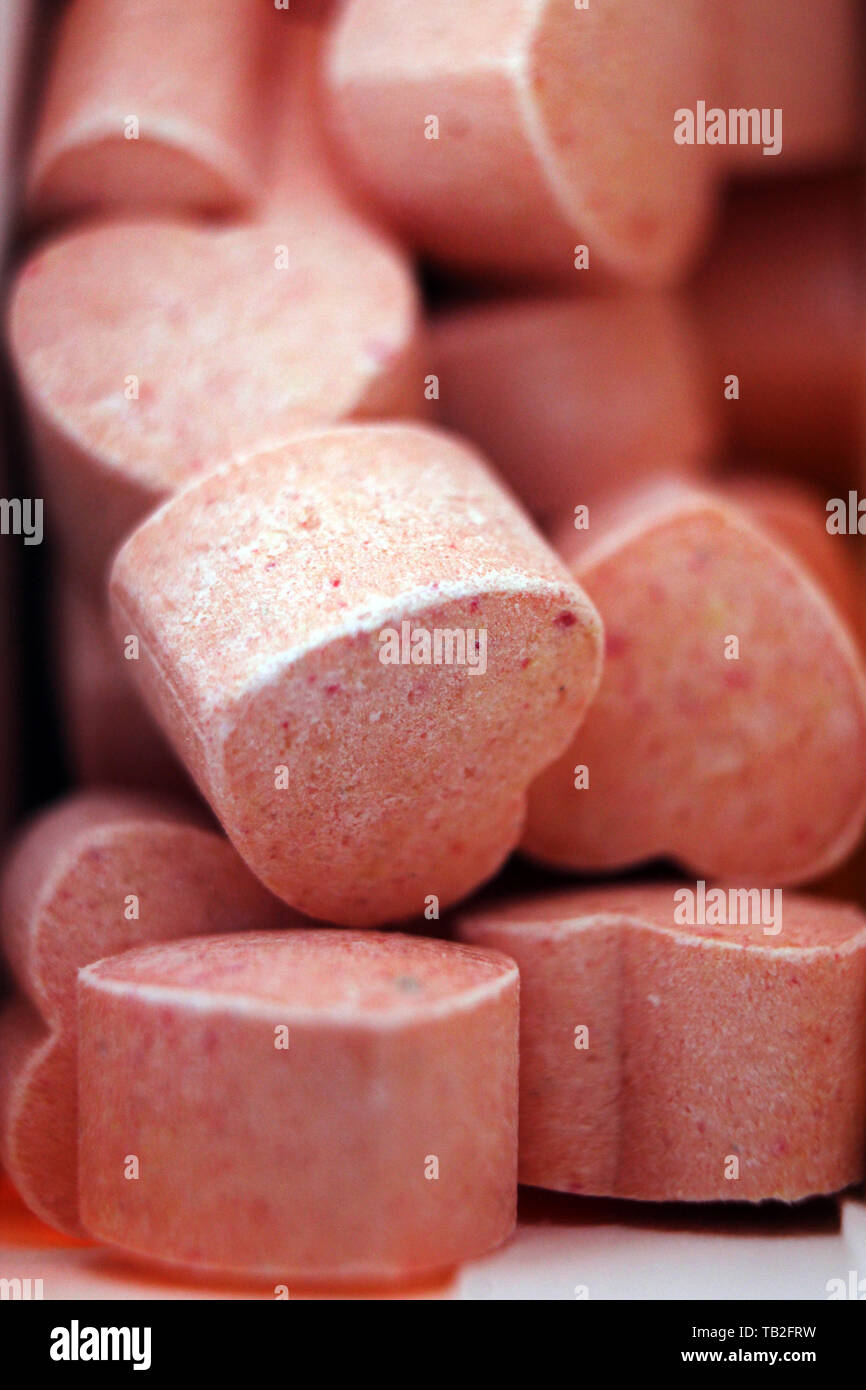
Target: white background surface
(615, 1250)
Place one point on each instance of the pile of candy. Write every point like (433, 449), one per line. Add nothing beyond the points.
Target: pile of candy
(354, 599)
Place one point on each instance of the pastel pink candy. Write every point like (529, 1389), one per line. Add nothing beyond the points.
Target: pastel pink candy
(8, 682)
(270, 601)
(575, 398)
(189, 72)
(795, 514)
(779, 304)
(705, 1044)
(149, 352)
(109, 735)
(70, 893)
(556, 122)
(304, 1106)
(801, 58)
(301, 169)
(751, 764)
(555, 128)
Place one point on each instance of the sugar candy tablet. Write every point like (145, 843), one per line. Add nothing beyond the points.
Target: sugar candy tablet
(729, 730)
(503, 138)
(152, 105)
(149, 352)
(95, 874)
(572, 399)
(303, 1106)
(678, 1043)
(363, 651)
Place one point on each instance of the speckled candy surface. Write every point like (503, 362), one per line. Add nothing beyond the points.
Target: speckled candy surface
(149, 352)
(717, 1062)
(94, 875)
(303, 1105)
(151, 104)
(270, 602)
(729, 730)
(263, 245)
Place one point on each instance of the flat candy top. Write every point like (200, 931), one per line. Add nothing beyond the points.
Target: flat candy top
(231, 351)
(318, 972)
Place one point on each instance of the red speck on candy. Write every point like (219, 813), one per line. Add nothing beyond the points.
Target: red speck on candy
(738, 680)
